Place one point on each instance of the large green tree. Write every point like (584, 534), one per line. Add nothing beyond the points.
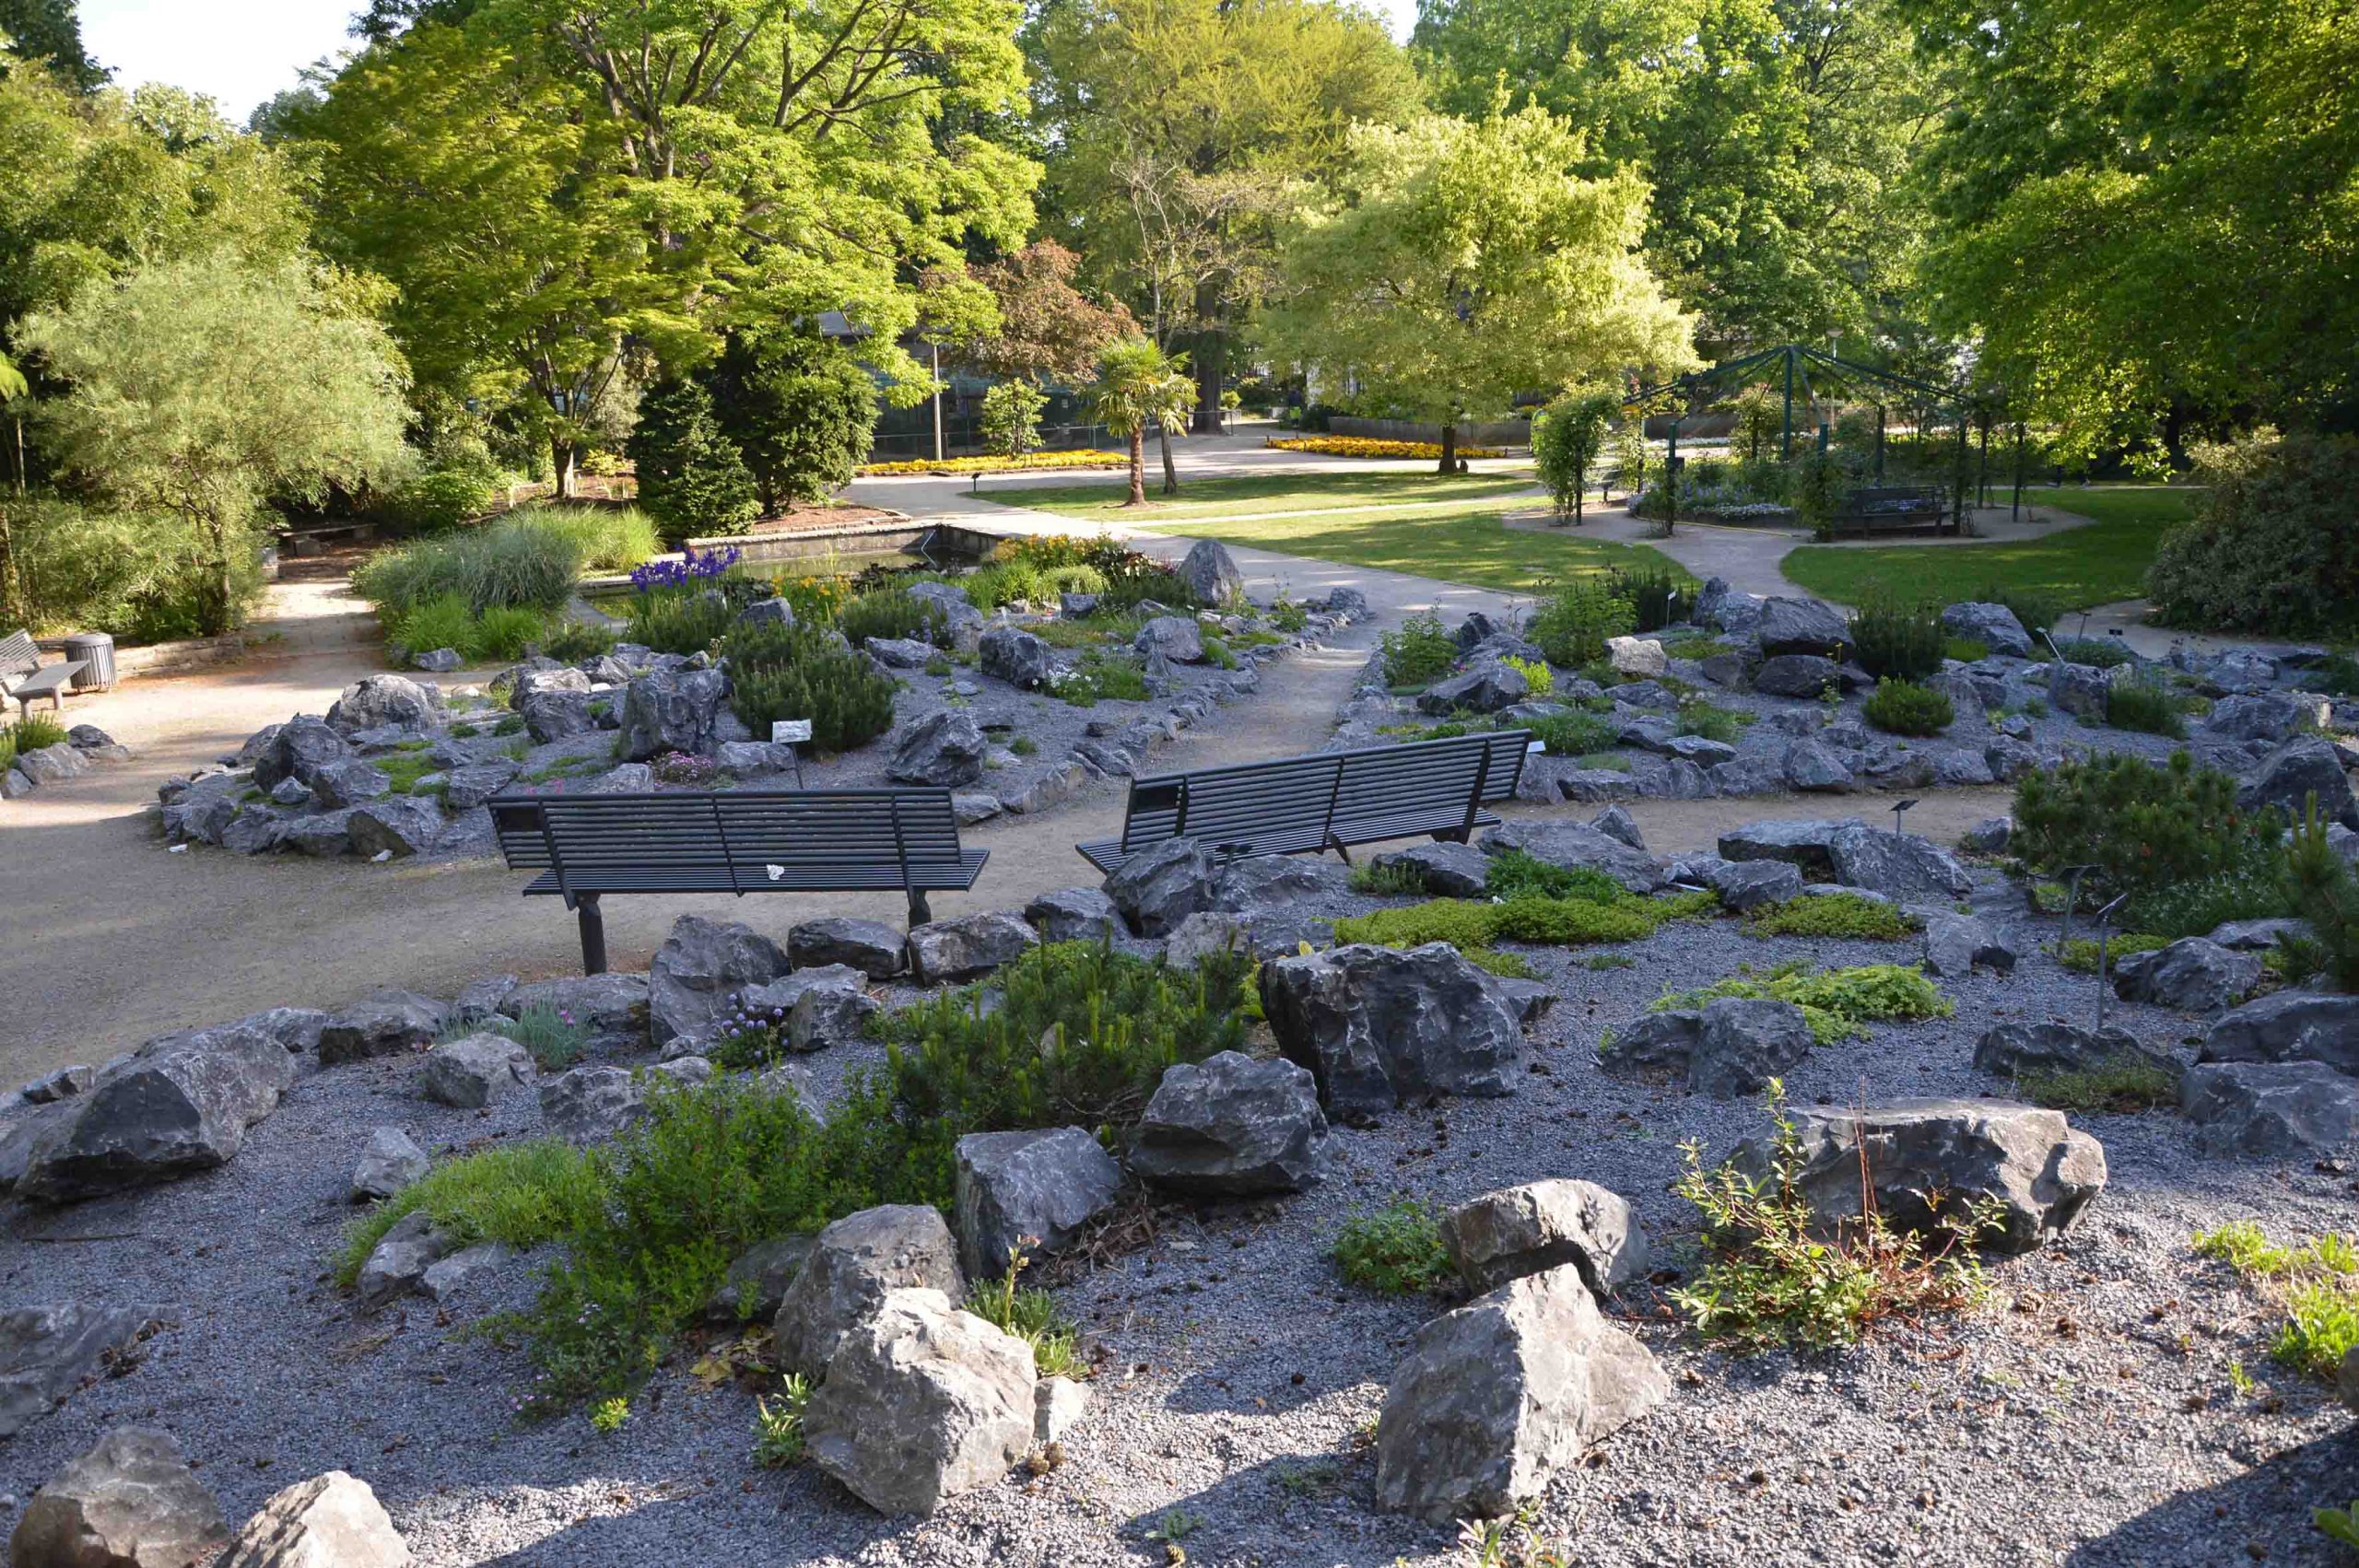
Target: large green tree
(1456, 263)
(49, 31)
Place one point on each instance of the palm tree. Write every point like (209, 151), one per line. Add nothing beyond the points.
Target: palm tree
(1138, 385)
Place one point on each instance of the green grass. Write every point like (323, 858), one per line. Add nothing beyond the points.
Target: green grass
(1273, 492)
(2313, 1281)
(2099, 563)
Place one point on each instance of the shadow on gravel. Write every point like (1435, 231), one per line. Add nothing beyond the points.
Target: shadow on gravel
(1291, 1508)
(2263, 1516)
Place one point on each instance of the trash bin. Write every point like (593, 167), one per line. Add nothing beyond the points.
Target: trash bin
(96, 651)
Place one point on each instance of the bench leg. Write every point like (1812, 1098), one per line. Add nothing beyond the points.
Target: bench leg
(593, 934)
(921, 912)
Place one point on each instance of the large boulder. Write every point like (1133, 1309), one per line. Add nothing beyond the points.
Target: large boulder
(475, 1071)
(922, 1402)
(1209, 575)
(1803, 676)
(1808, 845)
(1378, 1026)
(377, 702)
(952, 952)
(1016, 655)
(2300, 769)
(2024, 1050)
(50, 1349)
(2272, 716)
(669, 710)
(1720, 605)
(612, 1007)
(1993, 625)
(1803, 626)
(1515, 1231)
(959, 618)
(944, 749)
(2289, 1025)
(552, 716)
(590, 1104)
(396, 825)
(1031, 1191)
(329, 1521)
(1483, 688)
(346, 781)
(131, 1501)
(1163, 884)
(1812, 766)
(464, 788)
(1728, 1050)
(298, 749)
(1744, 885)
(1073, 914)
(1499, 1394)
(855, 1264)
(1956, 945)
(816, 1008)
(387, 1022)
(1898, 865)
(2192, 975)
(2040, 1173)
(179, 1104)
(2081, 690)
(873, 947)
(1231, 1126)
(2270, 1109)
(1576, 845)
(699, 970)
(1256, 882)
(1175, 638)
(1445, 869)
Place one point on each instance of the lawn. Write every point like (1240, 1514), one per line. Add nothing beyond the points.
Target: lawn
(2099, 563)
(1260, 493)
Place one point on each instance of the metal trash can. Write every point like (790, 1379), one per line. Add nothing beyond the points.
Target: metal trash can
(96, 651)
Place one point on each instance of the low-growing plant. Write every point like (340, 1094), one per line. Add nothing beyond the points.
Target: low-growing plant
(2314, 1282)
(574, 641)
(1032, 1315)
(523, 1195)
(1710, 721)
(1833, 916)
(1514, 874)
(1098, 677)
(1420, 653)
(1572, 628)
(2146, 707)
(1398, 880)
(1966, 650)
(681, 620)
(2104, 652)
(1289, 616)
(1899, 641)
(1837, 1003)
(1573, 734)
(1466, 925)
(1903, 708)
(548, 1032)
(1024, 746)
(607, 1416)
(779, 1437)
(894, 613)
(1396, 1249)
(2339, 1525)
(1537, 674)
(1217, 652)
(2079, 953)
(2124, 1083)
(2203, 905)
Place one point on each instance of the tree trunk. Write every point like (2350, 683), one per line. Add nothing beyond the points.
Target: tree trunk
(1138, 466)
(1449, 449)
(1211, 369)
(1580, 492)
(1171, 474)
(561, 455)
(12, 611)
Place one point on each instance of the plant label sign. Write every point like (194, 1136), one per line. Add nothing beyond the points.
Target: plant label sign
(794, 730)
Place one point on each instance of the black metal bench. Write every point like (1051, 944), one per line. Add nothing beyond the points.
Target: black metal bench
(752, 841)
(1891, 509)
(25, 677)
(1329, 800)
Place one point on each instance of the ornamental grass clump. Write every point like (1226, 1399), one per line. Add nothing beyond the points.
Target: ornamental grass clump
(894, 613)
(1902, 642)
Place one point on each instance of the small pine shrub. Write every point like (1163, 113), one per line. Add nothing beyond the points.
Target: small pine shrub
(1396, 1250)
(1573, 734)
(1903, 708)
(1420, 653)
(574, 642)
(2318, 886)
(2144, 826)
(782, 672)
(893, 612)
(1902, 642)
(1833, 916)
(679, 620)
(1653, 593)
(2146, 707)
(1572, 629)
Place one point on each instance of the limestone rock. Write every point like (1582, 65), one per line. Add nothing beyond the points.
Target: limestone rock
(1377, 1026)
(2192, 975)
(855, 1264)
(1574, 846)
(391, 1162)
(944, 749)
(1745, 886)
(1209, 574)
(699, 970)
(952, 952)
(2289, 775)
(1515, 1231)
(388, 1023)
(2289, 1025)
(1175, 638)
(1163, 884)
(875, 949)
(1073, 914)
(1485, 687)
(2270, 1110)
(1802, 625)
(2022, 1050)
(131, 1501)
(397, 1264)
(330, 1521)
(1231, 1126)
(1016, 655)
(1993, 625)
(376, 702)
(49, 1350)
(398, 826)
(1031, 1190)
(1448, 871)
(666, 710)
(180, 1104)
(473, 1072)
(1957, 945)
(826, 1005)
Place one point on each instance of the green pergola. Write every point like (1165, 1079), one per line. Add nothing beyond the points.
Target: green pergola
(1794, 363)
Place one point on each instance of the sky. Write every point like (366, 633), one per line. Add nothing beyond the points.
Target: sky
(242, 51)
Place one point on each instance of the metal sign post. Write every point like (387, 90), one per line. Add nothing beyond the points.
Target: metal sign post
(1898, 831)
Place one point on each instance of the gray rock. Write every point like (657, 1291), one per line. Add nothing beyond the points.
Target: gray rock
(388, 1023)
(1204, 935)
(1348, 602)
(922, 1402)
(473, 1072)
(2269, 716)
(1448, 871)
(2022, 1050)
(773, 611)
(1501, 1393)
(131, 1501)
(1993, 625)
(436, 660)
(53, 764)
(297, 750)
(1808, 845)
(1210, 576)
(901, 653)
(1802, 625)
(253, 833)
(62, 1084)
(1017, 657)
(398, 826)
(1989, 837)
(49, 1350)
(612, 1007)
(1814, 768)
(1616, 823)
(1589, 786)
(2080, 690)
(2192, 975)
(1077, 607)
(16, 784)
(346, 781)
(2041, 1173)
(1175, 638)
(1256, 882)
(944, 749)
(1898, 865)
(539, 677)
(590, 1104)
(874, 948)
(1728, 1050)
(1030, 1191)
(1745, 886)
(1485, 687)
(699, 970)
(1719, 606)
(464, 789)
(397, 1264)
(671, 712)
(1231, 1126)
(391, 1162)
(1163, 884)
(2010, 760)
(1575, 845)
(2289, 775)
(1378, 1026)
(972, 808)
(322, 836)
(822, 1006)
(1641, 656)
(25, 1131)
(552, 716)
(447, 1276)
(376, 702)
(330, 1521)
(759, 1279)
(2258, 936)
(854, 1263)
(1058, 1405)
(1074, 914)
(2270, 1110)
(2289, 1025)
(1955, 945)
(958, 614)
(951, 951)
(179, 1104)
(1515, 1231)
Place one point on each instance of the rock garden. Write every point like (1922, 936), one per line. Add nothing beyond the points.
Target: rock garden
(1828, 1198)
(36, 750)
(1056, 663)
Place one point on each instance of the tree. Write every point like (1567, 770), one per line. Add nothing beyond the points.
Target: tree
(1012, 417)
(1138, 385)
(196, 387)
(691, 479)
(802, 410)
(1455, 263)
(1567, 439)
(1047, 330)
(1759, 417)
(1630, 455)
(48, 30)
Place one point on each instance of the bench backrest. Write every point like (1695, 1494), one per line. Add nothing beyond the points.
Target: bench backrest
(1298, 803)
(19, 656)
(906, 829)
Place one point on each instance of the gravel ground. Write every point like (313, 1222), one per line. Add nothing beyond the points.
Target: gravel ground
(2087, 1416)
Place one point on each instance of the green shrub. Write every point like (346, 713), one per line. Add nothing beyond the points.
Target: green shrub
(1418, 654)
(1398, 879)
(1699, 717)
(30, 732)
(2101, 652)
(575, 641)
(1514, 874)
(1834, 915)
(522, 1195)
(2201, 906)
(2143, 828)
(1096, 676)
(441, 622)
(444, 495)
(893, 612)
(1537, 674)
(2122, 1084)
(1007, 582)
(1902, 642)
(1572, 628)
(1838, 1002)
(2314, 1282)
(1653, 594)
(2273, 542)
(507, 632)
(1903, 708)
(1573, 734)
(678, 620)
(692, 479)
(2319, 887)
(2145, 707)
(610, 539)
(1396, 1250)
(1774, 1276)
(2079, 953)
(799, 408)
(782, 672)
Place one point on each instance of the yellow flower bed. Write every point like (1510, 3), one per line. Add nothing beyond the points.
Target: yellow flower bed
(1085, 459)
(1369, 446)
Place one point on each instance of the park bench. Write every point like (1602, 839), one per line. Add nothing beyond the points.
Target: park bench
(1890, 508)
(746, 841)
(312, 539)
(1329, 800)
(25, 677)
